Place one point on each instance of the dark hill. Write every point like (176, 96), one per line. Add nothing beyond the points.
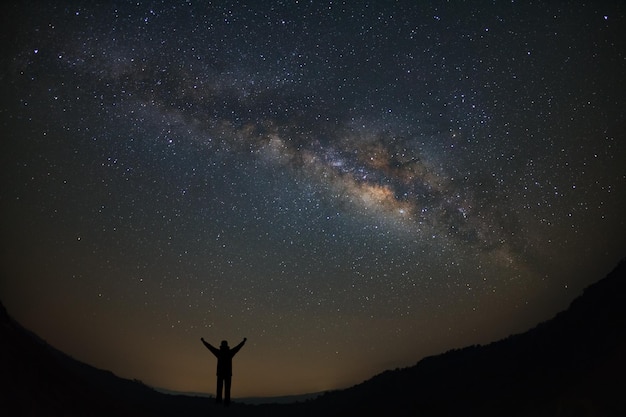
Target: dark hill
(38, 380)
(572, 365)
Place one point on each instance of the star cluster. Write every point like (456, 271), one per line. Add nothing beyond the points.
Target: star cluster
(350, 186)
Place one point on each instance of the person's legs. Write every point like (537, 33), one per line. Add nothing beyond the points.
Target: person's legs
(220, 384)
(227, 383)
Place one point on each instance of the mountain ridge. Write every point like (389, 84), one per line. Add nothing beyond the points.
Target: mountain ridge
(572, 364)
(535, 366)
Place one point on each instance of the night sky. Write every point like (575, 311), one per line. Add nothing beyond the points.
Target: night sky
(350, 185)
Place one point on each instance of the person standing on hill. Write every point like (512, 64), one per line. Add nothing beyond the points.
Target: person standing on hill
(224, 357)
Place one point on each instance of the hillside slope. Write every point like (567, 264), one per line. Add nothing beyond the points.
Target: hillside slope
(571, 365)
(37, 380)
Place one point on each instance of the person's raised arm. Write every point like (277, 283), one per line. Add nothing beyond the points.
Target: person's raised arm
(213, 350)
(239, 346)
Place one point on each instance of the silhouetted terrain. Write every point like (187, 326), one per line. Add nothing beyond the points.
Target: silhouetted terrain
(39, 380)
(572, 365)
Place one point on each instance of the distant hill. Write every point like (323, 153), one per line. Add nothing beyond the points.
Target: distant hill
(37, 380)
(571, 365)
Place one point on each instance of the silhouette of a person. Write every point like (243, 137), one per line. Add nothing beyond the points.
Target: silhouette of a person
(224, 357)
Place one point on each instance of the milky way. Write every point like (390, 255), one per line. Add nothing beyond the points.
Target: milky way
(351, 187)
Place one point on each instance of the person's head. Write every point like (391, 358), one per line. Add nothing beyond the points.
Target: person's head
(224, 344)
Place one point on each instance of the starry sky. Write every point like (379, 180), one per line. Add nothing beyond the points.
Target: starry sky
(352, 186)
